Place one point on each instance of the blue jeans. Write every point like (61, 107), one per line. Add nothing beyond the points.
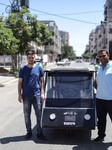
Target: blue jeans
(27, 105)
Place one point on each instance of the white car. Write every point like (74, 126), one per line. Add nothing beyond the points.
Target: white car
(63, 62)
(79, 59)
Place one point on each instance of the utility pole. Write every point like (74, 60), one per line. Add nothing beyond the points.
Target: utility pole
(15, 6)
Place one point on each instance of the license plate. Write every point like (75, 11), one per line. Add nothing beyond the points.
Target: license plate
(70, 118)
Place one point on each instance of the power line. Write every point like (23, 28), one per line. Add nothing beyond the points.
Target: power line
(60, 16)
(3, 4)
(80, 13)
(64, 17)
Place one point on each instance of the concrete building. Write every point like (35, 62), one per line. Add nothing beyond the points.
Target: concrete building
(108, 22)
(101, 37)
(98, 38)
(92, 38)
(53, 50)
(87, 50)
(64, 37)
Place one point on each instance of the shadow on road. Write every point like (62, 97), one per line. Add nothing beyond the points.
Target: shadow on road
(7, 140)
(80, 139)
(54, 136)
(93, 146)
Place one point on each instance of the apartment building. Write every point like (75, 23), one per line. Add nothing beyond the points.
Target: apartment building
(92, 37)
(87, 50)
(101, 37)
(53, 50)
(108, 22)
(98, 38)
(64, 37)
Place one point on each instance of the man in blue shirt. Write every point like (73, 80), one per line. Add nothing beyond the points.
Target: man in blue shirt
(31, 92)
(104, 93)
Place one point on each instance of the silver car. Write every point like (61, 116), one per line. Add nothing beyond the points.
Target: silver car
(63, 62)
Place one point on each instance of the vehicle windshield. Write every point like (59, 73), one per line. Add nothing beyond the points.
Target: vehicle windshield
(69, 89)
(63, 86)
(78, 57)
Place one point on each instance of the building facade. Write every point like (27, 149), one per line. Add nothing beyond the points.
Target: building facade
(101, 37)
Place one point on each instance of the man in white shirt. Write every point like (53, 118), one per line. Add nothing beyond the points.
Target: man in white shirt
(104, 93)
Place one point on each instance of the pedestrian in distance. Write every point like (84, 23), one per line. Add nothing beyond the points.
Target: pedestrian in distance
(31, 92)
(103, 93)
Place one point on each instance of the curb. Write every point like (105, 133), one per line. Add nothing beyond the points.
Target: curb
(10, 81)
(7, 80)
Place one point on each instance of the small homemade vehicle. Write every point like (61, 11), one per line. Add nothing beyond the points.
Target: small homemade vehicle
(70, 99)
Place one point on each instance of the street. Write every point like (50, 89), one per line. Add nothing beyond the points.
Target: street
(12, 128)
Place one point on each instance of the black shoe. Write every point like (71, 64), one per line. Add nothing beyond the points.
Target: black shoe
(41, 136)
(28, 135)
(99, 139)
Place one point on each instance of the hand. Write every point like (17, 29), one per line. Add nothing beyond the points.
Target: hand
(20, 98)
(42, 97)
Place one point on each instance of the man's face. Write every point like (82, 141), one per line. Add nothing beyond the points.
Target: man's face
(31, 59)
(103, 57)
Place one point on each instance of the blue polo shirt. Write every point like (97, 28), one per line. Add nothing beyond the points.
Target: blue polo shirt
(31, 80)
(104, 82)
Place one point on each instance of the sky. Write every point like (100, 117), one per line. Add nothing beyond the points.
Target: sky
(77, 17)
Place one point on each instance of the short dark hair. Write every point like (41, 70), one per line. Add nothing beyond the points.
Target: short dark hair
(102, 50)
(30, 52)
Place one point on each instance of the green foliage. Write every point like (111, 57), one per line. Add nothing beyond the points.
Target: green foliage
(14, 72)
(18, 30)
(46, 36)
(27, 28)
(68, 52)
(87, 56)
(8, 43)
(21, 31)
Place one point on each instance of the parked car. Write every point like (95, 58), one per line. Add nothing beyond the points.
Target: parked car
(63, 62)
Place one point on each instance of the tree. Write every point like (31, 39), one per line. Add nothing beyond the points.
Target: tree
(20, 28)
(27, 28)
(68, 52)
(87, 56)
(8, 43)
(46, 36)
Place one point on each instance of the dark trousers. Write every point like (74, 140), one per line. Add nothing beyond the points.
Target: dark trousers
(103, 107)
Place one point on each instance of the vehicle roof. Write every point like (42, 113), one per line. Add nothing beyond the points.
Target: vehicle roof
(70, 69)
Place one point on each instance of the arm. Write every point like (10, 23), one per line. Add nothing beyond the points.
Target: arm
(19, 90)
(42, 88)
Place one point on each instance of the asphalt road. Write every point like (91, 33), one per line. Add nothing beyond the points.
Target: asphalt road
(12, 129)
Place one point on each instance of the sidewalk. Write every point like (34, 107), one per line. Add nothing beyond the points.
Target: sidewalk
(9, 79)
(4, 80)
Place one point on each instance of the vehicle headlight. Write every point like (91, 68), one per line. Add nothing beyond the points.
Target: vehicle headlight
(52, 116)
(87, 117)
